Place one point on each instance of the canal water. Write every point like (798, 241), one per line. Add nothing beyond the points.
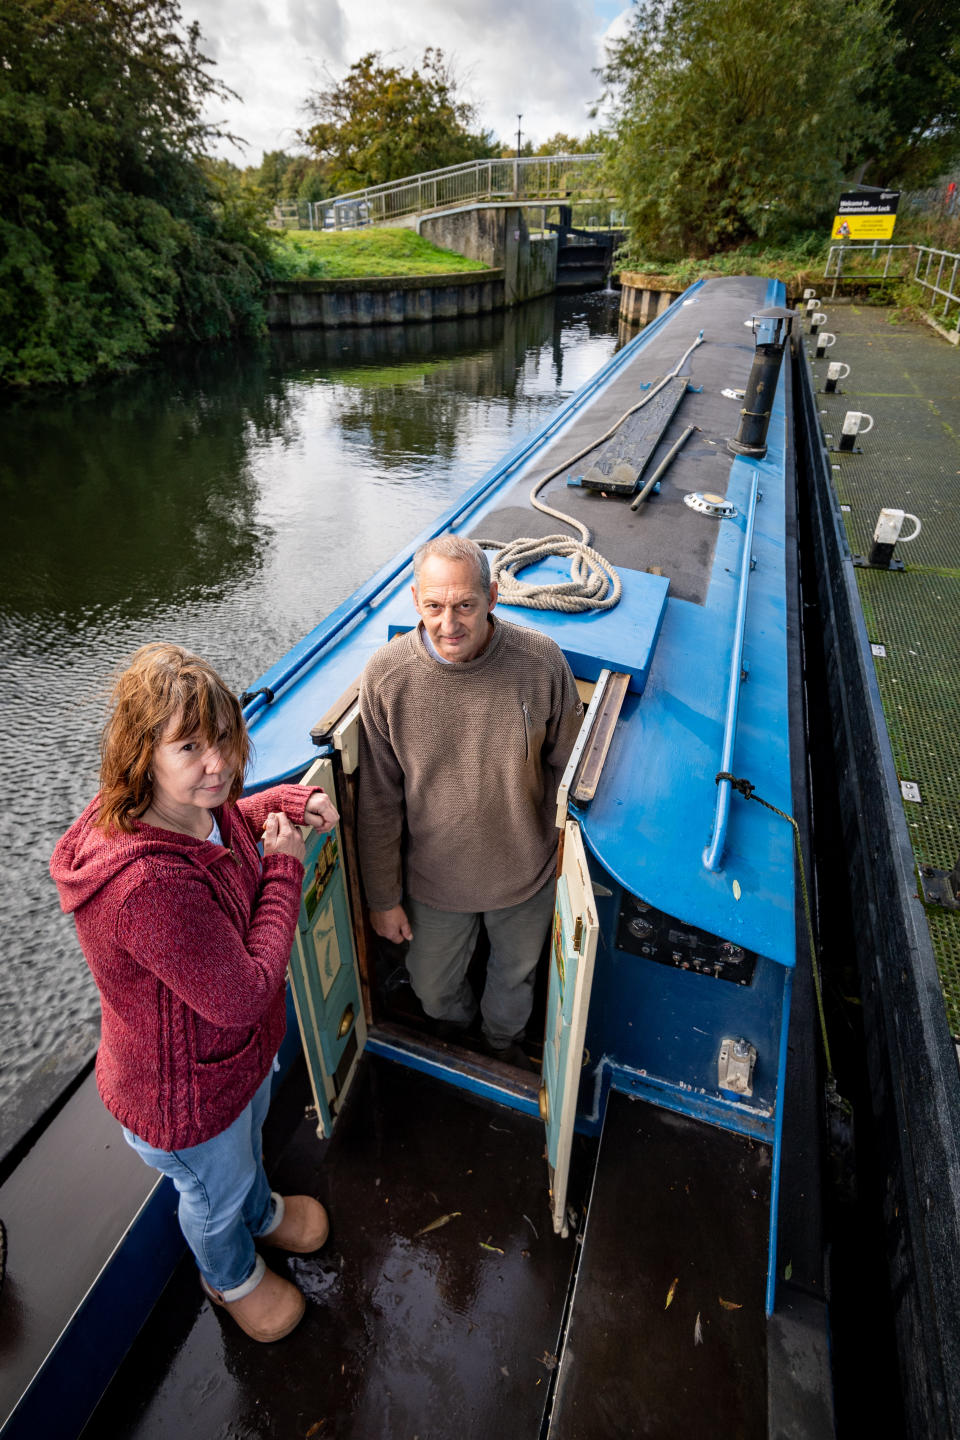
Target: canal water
(227, 501)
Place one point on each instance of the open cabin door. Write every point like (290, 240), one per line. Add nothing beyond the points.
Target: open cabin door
(323, 966)
(572, 953)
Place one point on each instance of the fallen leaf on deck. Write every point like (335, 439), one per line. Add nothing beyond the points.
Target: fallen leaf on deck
(698, 1331)
(495, 1248)
(729, 1304)
(316, 1428)
(436, 1224)
(671, 1292)
(788, 1270)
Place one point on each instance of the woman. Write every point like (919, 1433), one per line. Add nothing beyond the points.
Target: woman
(187, 931)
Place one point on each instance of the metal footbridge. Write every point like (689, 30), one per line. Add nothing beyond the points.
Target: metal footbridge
(533, 180)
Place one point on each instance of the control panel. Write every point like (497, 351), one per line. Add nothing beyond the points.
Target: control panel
(643, 930)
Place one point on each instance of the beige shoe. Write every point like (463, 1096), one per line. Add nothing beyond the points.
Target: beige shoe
(271, 1310)
(304, 1227)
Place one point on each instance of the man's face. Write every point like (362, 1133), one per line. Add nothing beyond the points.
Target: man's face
(454, 607)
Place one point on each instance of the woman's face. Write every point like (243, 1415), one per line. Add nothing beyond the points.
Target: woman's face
(189, 774)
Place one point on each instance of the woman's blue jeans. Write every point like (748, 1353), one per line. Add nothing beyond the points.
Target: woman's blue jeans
(225, 1198)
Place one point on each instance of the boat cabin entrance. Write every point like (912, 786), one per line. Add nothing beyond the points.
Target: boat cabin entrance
(352, 992)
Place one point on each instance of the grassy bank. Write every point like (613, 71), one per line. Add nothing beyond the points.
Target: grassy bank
(798, 263)
(361, 254)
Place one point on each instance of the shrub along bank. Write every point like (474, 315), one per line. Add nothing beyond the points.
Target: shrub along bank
(799, 262)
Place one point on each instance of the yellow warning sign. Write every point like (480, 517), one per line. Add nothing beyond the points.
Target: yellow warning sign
(866, 216)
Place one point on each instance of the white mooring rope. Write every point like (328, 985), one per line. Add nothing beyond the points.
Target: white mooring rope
(594, 583)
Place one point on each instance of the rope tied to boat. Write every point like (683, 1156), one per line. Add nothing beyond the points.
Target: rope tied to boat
(747, 789)
(594, 583)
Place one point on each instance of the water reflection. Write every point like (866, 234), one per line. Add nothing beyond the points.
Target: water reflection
(226, 500)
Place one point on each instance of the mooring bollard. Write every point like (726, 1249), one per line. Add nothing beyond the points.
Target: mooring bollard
(886, 535)
(836, 370)
(853, 425)
(811, 305)
(824, 341)
(817, 318)
(941, 887)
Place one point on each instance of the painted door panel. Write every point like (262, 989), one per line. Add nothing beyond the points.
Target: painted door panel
(572, 954)
(323, 967)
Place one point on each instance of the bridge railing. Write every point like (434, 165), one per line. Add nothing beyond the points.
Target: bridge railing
(530, 178)
(936, 271)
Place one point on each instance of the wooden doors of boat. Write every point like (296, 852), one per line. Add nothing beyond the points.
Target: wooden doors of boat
(323, 966)
(572, 952)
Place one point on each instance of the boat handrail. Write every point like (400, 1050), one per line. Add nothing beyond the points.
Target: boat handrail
(714, 851)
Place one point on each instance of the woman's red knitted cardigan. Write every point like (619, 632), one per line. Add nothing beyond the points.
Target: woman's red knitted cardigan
(188, 942)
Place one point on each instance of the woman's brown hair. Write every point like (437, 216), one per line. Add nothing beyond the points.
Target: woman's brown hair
(162, 683)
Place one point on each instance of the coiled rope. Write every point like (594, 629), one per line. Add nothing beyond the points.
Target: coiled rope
(594, 583)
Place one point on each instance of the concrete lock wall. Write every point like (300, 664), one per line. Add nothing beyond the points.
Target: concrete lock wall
(498, 235)
(643, 298)
(300, 304)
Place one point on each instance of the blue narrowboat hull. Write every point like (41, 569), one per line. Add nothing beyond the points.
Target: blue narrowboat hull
(655, 1026)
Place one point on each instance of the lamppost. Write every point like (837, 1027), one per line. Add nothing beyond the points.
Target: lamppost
(516, 164)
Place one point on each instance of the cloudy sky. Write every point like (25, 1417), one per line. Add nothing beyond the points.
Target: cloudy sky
(535, 57)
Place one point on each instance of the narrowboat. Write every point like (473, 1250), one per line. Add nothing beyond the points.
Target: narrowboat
(624, 1239)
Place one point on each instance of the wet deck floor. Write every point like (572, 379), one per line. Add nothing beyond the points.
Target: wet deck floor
(451, 1333)
(667, 1335)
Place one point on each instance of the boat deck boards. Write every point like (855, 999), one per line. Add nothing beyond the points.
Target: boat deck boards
(656, 1261)
(431, 1334)
(908, 379)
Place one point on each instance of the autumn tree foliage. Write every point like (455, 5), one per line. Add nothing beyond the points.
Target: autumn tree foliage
(114, 230)
(734, 119)
(381, 122)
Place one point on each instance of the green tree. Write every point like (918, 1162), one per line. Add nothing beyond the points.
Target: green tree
(281, 176)
(563, 144)
(381, 122)
(114, 229)
(920, 89)
(735, 119)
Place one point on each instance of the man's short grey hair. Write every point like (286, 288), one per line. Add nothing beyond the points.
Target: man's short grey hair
(454, 547)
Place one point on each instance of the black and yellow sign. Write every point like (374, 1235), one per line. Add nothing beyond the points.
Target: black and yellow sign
(866, 215)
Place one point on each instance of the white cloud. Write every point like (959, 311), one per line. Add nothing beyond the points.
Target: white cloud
(536, 59)
(318, 27)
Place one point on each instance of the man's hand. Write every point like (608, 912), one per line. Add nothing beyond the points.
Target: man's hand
(320, 812)
(392, 925)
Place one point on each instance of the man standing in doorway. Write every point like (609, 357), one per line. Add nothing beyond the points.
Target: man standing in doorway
(467, 725)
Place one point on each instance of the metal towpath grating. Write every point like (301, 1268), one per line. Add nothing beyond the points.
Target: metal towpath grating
(909, 381)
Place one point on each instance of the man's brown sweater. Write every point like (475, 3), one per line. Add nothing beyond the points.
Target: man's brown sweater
(459, 768)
